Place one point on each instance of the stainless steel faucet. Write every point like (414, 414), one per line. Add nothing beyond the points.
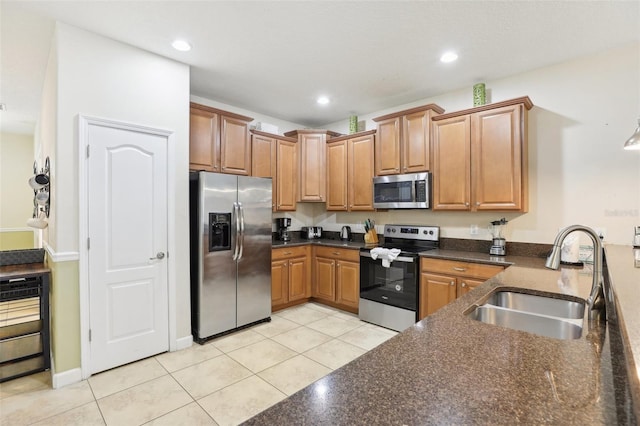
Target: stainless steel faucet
(596, 301)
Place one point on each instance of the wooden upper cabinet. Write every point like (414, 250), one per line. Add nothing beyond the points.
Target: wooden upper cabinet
(350, 171)
(337, 196)
(312, 169)
(403, 142)
(286, 175)
(480, 158)
(451, 163)
(361, 172)
(204, 140)
(219, 141)
(263, 161)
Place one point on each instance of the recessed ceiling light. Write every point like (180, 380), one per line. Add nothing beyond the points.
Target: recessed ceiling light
(323, 100)
(181, 45)
(448, 57)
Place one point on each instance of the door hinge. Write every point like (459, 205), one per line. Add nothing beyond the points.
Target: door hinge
(88, 151)
(89, 334)
(88, 243)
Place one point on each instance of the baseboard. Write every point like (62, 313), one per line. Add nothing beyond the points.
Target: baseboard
(184, 342)
(69, 377)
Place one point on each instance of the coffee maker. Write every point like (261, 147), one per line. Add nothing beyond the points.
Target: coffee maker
(499, 244)
(283, 224)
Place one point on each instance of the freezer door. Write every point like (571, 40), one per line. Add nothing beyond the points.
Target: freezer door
(254, 263)
(216, 292)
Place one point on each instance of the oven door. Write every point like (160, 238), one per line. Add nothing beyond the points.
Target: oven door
(396, 285)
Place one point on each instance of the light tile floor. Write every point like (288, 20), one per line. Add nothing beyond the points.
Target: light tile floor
(224, 382)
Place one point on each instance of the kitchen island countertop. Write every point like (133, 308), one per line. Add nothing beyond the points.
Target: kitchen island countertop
(451, 369)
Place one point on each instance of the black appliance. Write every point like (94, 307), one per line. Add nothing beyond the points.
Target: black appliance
(283, 224)
(345, 233)
(311, 232)
(389, 295)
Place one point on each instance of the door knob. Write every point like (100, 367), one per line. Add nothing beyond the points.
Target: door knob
(160, 255)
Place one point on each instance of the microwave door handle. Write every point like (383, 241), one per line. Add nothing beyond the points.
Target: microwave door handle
(241, 211)
(414, 191)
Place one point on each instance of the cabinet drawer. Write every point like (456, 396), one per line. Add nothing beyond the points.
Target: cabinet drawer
(465, 269)
(289, 252)
(338, 253)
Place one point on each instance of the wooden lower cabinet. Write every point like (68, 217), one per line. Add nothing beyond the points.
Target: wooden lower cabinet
(442, 281)
(290, 276)
(336, 277)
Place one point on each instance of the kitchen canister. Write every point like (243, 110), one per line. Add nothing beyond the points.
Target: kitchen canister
(479, 94)
(353, 124)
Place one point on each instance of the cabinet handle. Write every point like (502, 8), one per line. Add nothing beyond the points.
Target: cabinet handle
(287, 253)
(477, 203)
(338, 265)
(463, 285)
(336, 253)
(466, 204)
(452, 283)
(459, 269)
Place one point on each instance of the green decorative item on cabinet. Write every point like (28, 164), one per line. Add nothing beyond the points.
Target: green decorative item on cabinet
(353, 124)
(479, 95)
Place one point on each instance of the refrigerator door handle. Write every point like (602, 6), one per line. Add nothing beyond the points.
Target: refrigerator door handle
(241, 209)
(237, 233)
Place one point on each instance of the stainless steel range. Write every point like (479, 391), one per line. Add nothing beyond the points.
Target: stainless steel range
(389, 295)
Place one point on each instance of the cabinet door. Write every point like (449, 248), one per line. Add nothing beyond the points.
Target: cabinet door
(279, 282)
(263, 161)
(204, 145)
(388, 147)
(312, 167)
(348, 283)
(337, 176)
(286, 175)
(235, 146)
(451, 164)
(415, 142)
(436, 291)
(496, 153)
(361, 172)
(324, 283)
(298, 278)
(465, 285)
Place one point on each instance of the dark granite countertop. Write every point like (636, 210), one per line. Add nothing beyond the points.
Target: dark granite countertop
(450, 369)
(320, 242)
(477, 257)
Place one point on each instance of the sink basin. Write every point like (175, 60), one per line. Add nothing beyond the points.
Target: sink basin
(556, 328)
(537, 304)
(545, 316)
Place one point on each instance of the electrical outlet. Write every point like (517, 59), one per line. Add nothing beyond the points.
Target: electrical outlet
(473, 230)
(602, 233)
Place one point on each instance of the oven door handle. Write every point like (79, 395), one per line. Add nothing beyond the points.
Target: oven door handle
(404, 259)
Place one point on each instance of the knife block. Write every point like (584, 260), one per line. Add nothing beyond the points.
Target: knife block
(371, 237)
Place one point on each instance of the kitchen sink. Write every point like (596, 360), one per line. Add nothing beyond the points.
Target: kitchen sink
(545, 316)
(537, 304)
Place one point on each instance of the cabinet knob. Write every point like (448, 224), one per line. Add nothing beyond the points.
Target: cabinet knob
(452, 283)
(463, 285)
(466, 204)
(477, 203)
(459, 269)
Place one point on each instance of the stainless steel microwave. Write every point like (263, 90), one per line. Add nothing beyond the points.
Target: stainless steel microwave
(408, 191)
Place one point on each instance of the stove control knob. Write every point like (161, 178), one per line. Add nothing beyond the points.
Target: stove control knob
(425, 232)
(393, 230)
(430, 232)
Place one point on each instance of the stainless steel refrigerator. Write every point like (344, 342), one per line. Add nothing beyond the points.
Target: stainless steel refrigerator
(230, 233)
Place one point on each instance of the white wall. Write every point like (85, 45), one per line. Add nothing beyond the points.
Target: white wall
(100, 77)
(578, 172)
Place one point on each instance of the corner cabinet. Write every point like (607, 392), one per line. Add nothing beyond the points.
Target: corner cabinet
(350, 171)
(336, 277)
(275, 156)
(442, 281)
(480, 158)
(312, 163)
(219, 141)
(403, 143)
(290, 276)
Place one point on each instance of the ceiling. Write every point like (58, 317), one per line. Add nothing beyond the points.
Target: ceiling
(276, 57)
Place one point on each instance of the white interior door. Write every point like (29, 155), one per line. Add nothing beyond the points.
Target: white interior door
(127, 228)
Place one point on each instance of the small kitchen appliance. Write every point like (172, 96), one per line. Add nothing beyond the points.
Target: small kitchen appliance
(283, 224)
(406, 191)
(389, 295)
(345, 233)
(311, 232)
(499, 244)
(636, 237)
